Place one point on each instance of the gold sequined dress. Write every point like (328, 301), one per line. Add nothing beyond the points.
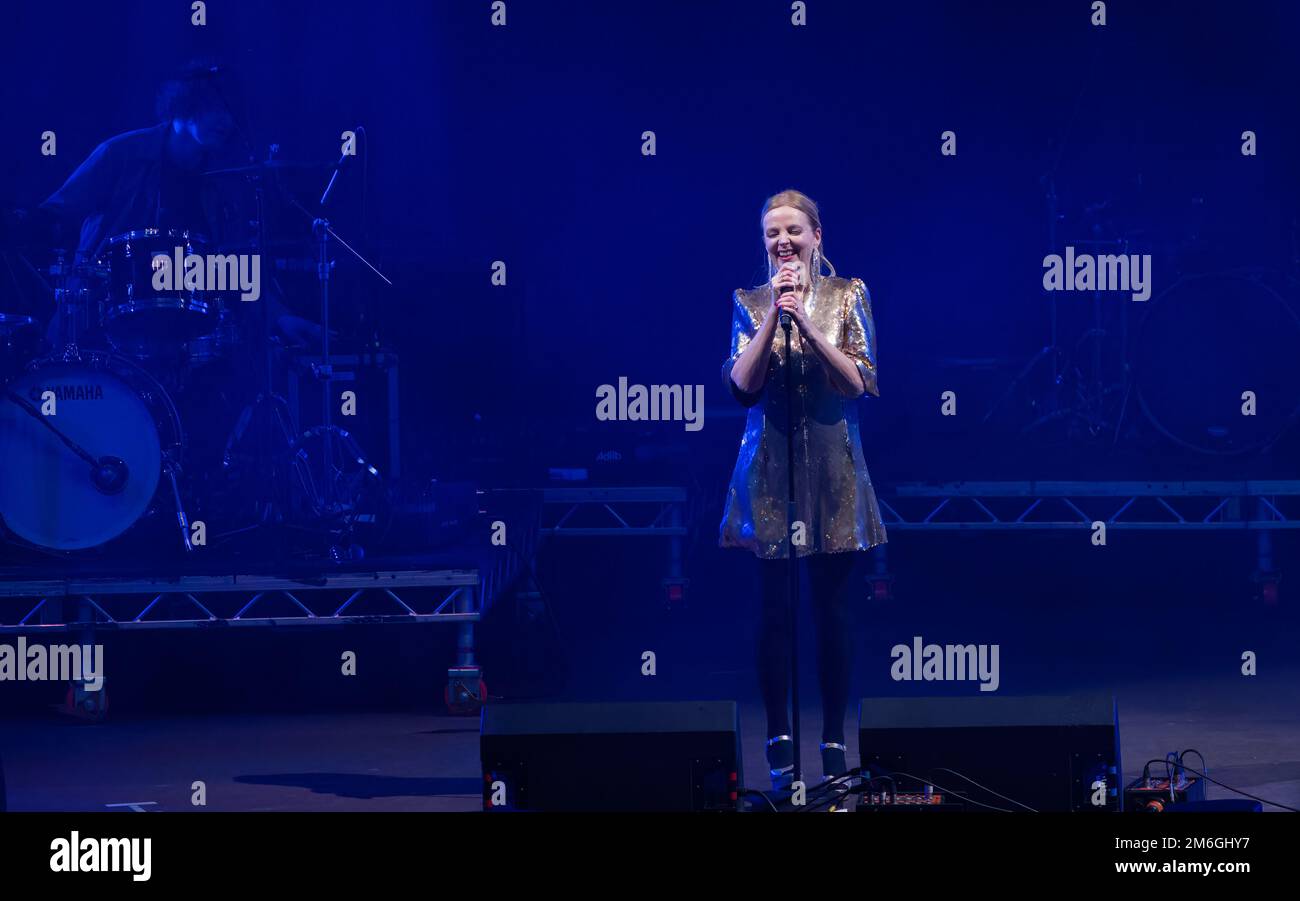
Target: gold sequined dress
(834, 498)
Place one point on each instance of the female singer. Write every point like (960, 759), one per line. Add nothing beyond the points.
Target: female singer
(833, 362)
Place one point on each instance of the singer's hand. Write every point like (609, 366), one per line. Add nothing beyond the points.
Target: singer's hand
(789, 275)
(793, 304)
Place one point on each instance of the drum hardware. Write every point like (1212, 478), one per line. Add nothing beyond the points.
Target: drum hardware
(108, 473)
(360, 506)
(354, 475)
(172, 469)
(1094, 387)
(323, 231)
(283, 418)
(1090, 409)
(73, 285)
(328, 499)
(266, 465)
(259, 473)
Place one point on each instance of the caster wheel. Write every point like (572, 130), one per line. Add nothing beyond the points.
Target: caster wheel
(462, 702)
(86, 705)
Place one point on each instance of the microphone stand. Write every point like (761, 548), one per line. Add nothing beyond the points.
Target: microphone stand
(792, 587)
(322, 231)
(320, 227)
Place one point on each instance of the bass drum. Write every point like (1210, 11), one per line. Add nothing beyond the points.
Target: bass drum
(1207, 340)
(107, 406)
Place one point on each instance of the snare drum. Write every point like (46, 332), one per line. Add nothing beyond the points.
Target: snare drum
(141, 319)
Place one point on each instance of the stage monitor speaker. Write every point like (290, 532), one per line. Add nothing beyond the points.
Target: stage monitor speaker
(657, 756)
(1048, 753)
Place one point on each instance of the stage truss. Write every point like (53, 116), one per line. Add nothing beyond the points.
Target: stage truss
(1184, 506)
(88, 606)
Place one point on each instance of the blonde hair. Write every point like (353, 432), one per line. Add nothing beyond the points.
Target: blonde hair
(806, 205)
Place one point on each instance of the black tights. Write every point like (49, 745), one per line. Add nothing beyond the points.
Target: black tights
(827, 574)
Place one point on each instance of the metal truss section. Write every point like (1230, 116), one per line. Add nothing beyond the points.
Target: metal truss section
(1184, 506)
(627, 512)
(406, 596)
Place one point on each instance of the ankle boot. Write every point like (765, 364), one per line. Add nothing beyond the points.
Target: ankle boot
(780, 762)
(834, 760)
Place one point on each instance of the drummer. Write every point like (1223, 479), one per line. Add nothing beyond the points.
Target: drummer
(152, 178)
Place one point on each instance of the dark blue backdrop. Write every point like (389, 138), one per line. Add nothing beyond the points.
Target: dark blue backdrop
(522, 144)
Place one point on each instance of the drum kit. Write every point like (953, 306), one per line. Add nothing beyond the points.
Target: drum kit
(1210, 363)
(94, 450)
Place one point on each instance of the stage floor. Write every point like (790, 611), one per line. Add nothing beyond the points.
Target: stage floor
(411, 761)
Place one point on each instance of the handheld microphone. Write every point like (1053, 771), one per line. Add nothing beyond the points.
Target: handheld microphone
(785, 316)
